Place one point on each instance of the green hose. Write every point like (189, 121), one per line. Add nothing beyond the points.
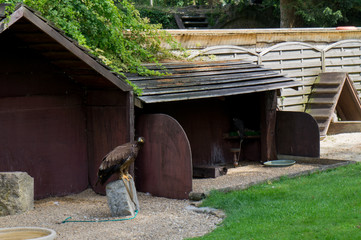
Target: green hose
(102, 220)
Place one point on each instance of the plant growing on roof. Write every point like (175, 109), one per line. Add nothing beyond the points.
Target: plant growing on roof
(115, 34)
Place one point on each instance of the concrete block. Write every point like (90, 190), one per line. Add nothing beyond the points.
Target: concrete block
(16, 193)
(119, 201)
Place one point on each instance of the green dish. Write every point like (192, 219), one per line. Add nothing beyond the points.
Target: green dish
(279, 163)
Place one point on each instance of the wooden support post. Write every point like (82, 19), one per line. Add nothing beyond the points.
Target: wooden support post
(130, 115)
(130, 122)
(268, 125)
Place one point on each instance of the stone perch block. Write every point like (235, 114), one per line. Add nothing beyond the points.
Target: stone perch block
(16, 193)
(119, 201)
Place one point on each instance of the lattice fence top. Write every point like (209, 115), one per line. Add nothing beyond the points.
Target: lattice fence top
(298, 60)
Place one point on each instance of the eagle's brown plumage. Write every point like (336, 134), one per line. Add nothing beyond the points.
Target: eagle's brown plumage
(119, 160)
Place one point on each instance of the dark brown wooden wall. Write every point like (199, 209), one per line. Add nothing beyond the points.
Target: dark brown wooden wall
(206, 121)
(24, 72)
(45, 137)
(52, 127)
(106, 127)
(42, 124)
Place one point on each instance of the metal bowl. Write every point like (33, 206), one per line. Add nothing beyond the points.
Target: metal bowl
(279, 163)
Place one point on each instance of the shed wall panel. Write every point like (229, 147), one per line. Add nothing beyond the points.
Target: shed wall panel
(107, 127)
(47, 140)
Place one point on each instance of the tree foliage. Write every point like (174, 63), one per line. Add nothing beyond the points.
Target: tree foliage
(319, 13)
(300, 13)
(116, 34)
(159, 15)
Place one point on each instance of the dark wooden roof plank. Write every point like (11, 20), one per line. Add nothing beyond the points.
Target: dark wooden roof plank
(209, 79)
(206, 81)
(210, 94)
(260, 83)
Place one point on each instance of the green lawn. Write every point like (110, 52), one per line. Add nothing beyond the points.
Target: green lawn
(324, 205)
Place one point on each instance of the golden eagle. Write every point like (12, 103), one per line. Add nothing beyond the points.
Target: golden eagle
(119, 160)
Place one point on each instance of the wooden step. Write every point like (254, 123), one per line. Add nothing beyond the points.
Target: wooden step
(325, 90)
(195, 21)
(319, 103)
(322, 124)
(321, 98)
(330, 82)
(320, 117)
(194, 18)
(319, 114)
(335, 81)
(195, 24)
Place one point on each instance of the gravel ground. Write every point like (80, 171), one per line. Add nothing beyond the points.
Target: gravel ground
(158, 218)
(346, 146)
(161, 218)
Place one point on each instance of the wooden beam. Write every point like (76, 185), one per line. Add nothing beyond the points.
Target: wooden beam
(130, 122)
(268, 126)
(344, 127)
(15, 16)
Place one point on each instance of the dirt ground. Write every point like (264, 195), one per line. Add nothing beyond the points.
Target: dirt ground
(161, 218)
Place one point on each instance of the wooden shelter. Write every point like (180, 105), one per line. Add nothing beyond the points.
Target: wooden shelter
(204, 97)
(333, 95)
(61, 110)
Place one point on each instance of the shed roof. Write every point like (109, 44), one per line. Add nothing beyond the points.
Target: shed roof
(196, 80)
(76, 61)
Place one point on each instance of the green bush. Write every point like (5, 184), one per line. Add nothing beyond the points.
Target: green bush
(158, 16)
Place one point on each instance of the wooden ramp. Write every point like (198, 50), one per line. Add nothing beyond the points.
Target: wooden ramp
(333, 91)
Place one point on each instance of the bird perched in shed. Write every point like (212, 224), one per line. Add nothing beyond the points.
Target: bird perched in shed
(119, 161)
(239, 126)
(240, 130)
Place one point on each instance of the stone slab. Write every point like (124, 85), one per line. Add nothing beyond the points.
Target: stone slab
(16, 193)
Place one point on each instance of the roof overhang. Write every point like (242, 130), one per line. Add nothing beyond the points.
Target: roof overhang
(62, 51)
(198, 80)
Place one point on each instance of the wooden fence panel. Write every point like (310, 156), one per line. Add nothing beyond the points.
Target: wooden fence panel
(298, 60)
(345, 56)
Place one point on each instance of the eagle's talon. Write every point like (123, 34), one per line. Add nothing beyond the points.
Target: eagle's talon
(127, 177)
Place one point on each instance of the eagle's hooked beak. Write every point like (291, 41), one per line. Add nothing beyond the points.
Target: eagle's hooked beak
(141, 140)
